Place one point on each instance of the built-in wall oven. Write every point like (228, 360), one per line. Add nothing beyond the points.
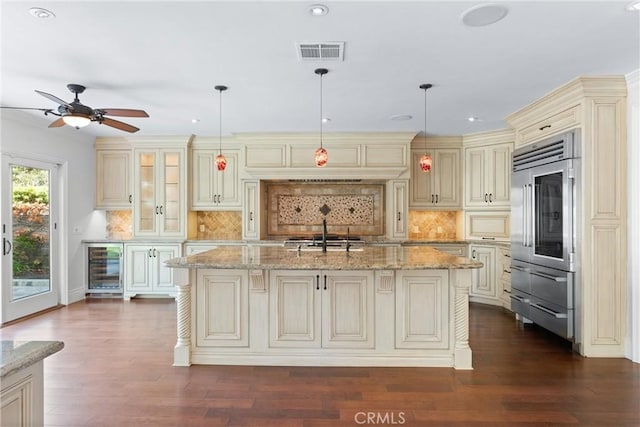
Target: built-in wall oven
(544, 232)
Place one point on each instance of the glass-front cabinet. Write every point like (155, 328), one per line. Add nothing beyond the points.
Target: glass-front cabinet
(160, 192)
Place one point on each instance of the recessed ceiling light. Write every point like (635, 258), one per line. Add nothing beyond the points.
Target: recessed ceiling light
(634, 6)
(473, 119)
(401, 117)
(326, 120)
(318, 10)
(195, 120)
(39, 12)
(484, 14)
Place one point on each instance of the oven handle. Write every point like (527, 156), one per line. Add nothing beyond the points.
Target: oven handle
(549, 276)
(551, 312)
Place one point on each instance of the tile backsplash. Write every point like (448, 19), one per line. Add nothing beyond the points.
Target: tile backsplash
(224, 225)
(119, 225)
(428, 225)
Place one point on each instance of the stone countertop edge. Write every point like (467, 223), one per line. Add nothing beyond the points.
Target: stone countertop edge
(17, 355)
(279, 258)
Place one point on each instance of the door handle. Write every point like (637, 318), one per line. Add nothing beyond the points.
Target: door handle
(490, 197)
(398, 216)
(5, 242)
(149, 252)
(250, 216)
(156, 210)
(161, 210)
(317, 282)
(436, 198)
(432, 198)
(549, 276)
(154, 252)
(130, 198)
(551, 312)
(325, 282)
(485, 197)
(473, 254)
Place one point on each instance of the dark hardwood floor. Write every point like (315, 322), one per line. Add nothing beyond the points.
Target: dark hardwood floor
(115, 370)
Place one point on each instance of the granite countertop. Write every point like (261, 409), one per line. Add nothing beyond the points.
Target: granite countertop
(283, 258)
(17, 355)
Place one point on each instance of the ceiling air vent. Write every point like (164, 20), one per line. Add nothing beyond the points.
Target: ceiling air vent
(320, 51)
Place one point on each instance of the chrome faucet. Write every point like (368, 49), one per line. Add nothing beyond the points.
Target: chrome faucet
(324, 235)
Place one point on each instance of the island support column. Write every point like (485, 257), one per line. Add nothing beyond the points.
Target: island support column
(461, 280)
(182, 350)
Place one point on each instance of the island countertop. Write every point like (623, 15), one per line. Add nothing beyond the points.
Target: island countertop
(18, 355)
(284, 258)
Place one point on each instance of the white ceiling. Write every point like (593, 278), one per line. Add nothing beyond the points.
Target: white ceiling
(166, 57)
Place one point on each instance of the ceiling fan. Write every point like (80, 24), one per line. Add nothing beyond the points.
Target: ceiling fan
(78, 115)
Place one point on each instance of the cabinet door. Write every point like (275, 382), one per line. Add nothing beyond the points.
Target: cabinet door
(476, 193)
(137, 268)
(213, 189)
(447, 178)
(163, 275)
(421, 185)
(398, 207)
(171, 195)
(251, 213)
(294, 309)
(222, 308)
(145, 213)
(484, 279)
(422, 309)
(499, 175)
(113, 179)
(347, 309)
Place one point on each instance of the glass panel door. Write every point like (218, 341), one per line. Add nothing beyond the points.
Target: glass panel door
(549, 225)
(29, 232)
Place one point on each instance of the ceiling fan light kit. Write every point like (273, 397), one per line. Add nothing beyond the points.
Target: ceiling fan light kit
(76, 120)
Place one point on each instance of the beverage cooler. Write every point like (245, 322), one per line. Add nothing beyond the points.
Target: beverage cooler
(103, 273)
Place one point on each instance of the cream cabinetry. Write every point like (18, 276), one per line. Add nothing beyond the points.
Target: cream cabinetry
(452, 248)
(398, 207)
(504, 270)
(439, 188)
(488, 176)
(113, 174)
(223, 308)
(159, 197)
(321, 309)
(212, 189)
(487, 225)
(422, 310)
(251, 212)
(21, 397)
(145, 271)
(597, 107)
(484, 287)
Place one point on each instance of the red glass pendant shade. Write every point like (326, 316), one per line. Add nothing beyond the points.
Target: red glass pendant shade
(425, 163)
(221, 162)
(321, 157)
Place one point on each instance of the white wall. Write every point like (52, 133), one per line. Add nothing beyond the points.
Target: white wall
(25, 136)
(633, 138)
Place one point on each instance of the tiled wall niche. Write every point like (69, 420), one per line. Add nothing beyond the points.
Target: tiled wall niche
(298, 208)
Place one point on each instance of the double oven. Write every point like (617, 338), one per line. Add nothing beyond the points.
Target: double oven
(544, 233)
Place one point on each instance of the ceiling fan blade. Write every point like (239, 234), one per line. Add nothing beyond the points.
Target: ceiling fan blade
(27, 108)
(123, 112)
(54, 98)
(119, 125)
(57, 123)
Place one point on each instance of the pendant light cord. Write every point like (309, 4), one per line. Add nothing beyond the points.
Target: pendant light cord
(220, 126)
(425, 120)
(321, 110)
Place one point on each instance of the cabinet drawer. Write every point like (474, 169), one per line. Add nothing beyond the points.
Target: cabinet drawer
(550, 316)
(457, 250)
(566, 119)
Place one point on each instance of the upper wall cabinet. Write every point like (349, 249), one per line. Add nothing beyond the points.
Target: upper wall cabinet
(439, 188)
(488, 170)
(113, 174)
(212, 189)
(159, 195)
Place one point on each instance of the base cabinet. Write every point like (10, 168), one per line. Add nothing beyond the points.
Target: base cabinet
(422, 309)
(21, 398)
(223, 308)
(484, 285)
(144, 269)
(321, 309)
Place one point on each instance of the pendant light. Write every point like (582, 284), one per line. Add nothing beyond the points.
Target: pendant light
(321, 155)
(425, 160)
(221, 160)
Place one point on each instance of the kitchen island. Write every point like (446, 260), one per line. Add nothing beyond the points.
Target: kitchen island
(370, 306)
